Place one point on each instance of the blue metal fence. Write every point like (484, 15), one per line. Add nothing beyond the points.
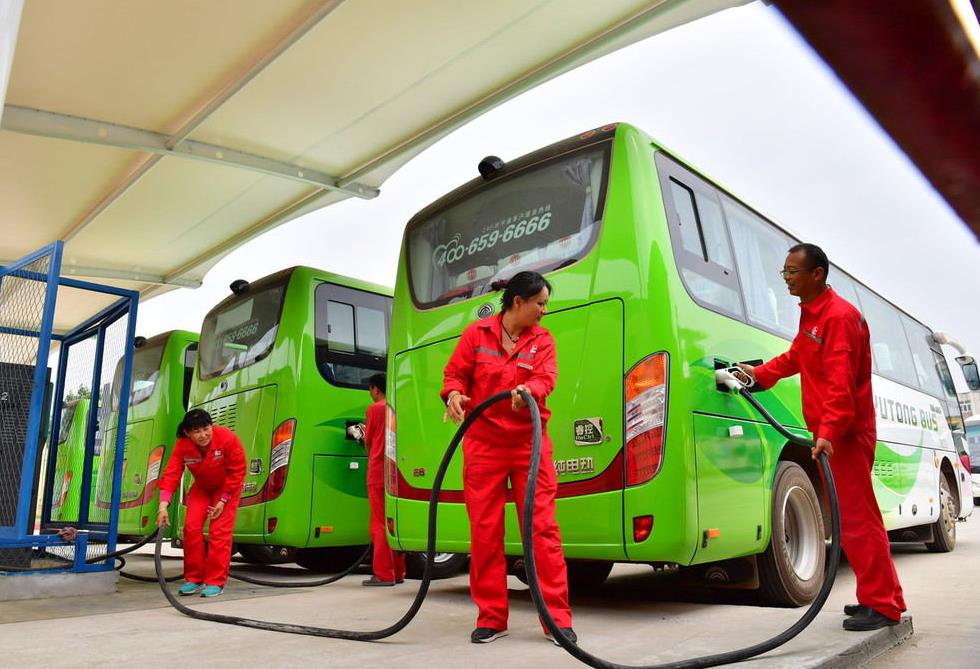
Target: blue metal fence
(29, 290)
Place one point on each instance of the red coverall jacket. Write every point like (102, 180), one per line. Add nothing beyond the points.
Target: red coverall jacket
(832, 354)
(222, 467)
(479, 368)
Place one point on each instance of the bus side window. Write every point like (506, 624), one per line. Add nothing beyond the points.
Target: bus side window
(701, 246)
(761, 250)
(340, 326)
(922, 357)
(350, 334)
(844, 286)
(889, 346)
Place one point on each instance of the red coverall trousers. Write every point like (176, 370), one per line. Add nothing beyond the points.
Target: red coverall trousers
(208, 562)
(486, 470)
(387, 565)
(863, 535)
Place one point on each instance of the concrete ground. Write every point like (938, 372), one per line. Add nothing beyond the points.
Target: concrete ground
(638, 617)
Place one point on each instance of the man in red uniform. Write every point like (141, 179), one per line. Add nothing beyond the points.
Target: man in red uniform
(508, 352)
(388, 565)
(832, 354)
(216, 459)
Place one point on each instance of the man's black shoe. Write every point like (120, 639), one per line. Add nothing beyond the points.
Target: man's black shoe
(867, 621)
(376, 582)
(486, 634)
(567, 631)
(854, 609)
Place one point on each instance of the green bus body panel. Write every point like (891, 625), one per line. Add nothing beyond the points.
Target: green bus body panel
(589, 359)
(292, 387)
(135, 473)
(339, 501)
(150, 424)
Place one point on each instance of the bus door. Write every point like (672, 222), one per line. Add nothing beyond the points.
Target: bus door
(586, 428)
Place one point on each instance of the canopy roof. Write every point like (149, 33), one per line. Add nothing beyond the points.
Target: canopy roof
(154, 138)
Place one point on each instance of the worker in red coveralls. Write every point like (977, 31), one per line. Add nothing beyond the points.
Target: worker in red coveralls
(832, 355)
(215, 457)
(388, 566)
(507, 352)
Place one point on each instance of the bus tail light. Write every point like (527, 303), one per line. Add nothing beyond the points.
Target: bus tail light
(391, 452)
(965, 461)
(282, 447)
(153, 464)
(646, 404)
(65, 485)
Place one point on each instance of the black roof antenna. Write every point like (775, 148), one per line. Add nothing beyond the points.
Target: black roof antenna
(489, 167)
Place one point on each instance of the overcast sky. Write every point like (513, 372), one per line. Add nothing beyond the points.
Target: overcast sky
(739, 96)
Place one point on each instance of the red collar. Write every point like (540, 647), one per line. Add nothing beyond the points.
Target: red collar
(814, 307)
(495, 325)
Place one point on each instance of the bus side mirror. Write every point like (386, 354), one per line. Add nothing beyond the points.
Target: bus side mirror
(970, 373)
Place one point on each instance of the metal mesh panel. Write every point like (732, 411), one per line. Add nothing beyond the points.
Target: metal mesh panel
(22, 298)
(41, 558)
(115, 339)
(75, 418)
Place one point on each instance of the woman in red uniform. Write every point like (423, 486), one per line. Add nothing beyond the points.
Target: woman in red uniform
(215, 457)
(507, 352)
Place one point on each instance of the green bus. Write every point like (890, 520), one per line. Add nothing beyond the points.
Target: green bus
(163, 367)
(284, 362)
(659, 277)
(70, 462)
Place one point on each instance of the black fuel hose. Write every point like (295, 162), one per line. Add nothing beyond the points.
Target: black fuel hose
(129, 549)
(352, 635)
(255, 580)
(698, 662)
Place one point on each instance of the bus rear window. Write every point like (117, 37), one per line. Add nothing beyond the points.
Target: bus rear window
(240, 332)
(540, 219)
(146, 369)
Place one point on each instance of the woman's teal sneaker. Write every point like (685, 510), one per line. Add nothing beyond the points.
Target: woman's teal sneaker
(189, 588)
(211, 591)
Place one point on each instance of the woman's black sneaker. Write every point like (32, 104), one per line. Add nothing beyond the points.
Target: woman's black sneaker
(854, 609)
(867, 621)
(486, 634)
(567, 631)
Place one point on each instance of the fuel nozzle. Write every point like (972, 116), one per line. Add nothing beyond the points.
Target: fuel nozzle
(733, 378)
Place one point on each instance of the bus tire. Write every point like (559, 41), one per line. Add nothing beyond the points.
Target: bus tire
(328, 560)
(944, 529)
(587, 574)
(445, 565)
(791, 569)
(263, 554)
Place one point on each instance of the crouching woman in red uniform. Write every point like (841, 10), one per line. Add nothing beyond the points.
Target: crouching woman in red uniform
(215, 457)
(507, 352)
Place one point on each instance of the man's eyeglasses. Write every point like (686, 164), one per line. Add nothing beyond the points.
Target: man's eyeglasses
(787, 272)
